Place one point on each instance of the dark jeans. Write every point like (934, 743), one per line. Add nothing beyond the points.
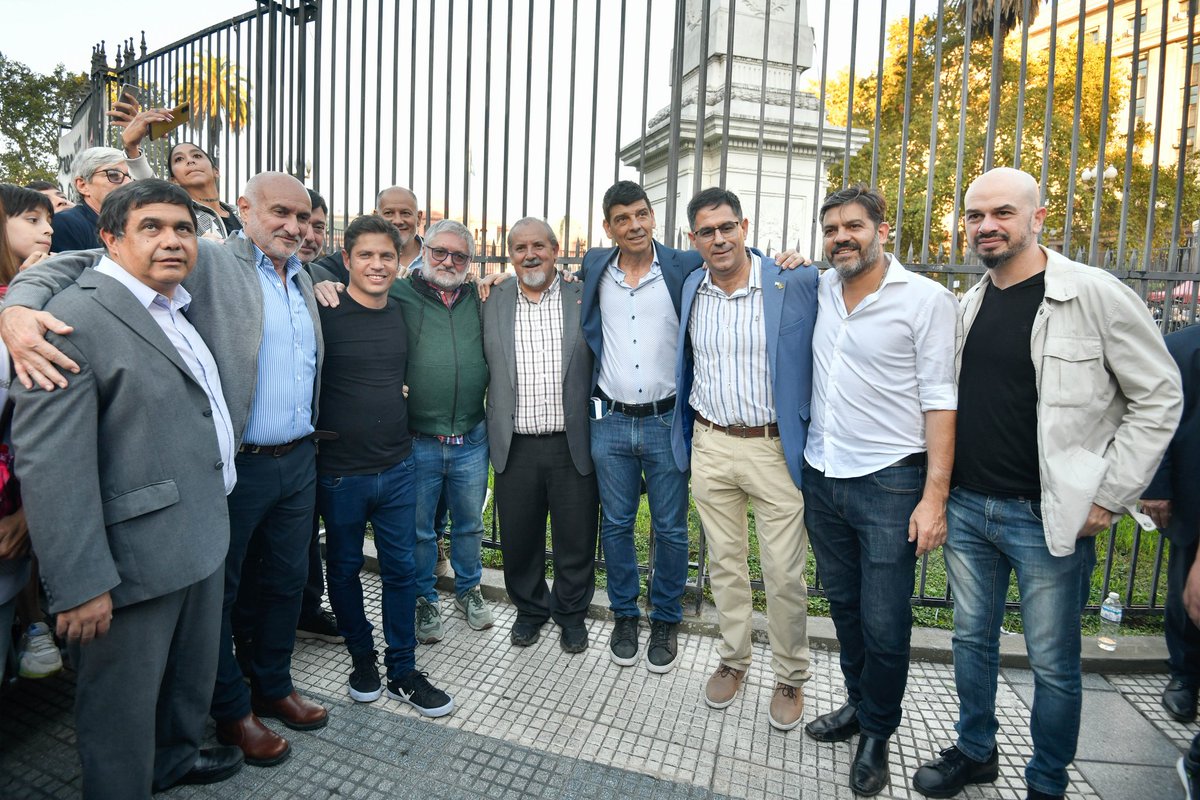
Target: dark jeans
(1183, 637)
(388, 501)
(272, 504)
(247, 599)
(859, 533)
(541, 478)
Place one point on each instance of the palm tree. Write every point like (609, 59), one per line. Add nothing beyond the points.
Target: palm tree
(219, 95)
(1011, 15)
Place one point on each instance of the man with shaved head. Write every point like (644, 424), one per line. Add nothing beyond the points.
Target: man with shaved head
(1067, 400)
(398, 206)
(254, 306)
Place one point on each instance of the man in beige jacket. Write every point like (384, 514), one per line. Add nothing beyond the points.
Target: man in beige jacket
(1067, 400)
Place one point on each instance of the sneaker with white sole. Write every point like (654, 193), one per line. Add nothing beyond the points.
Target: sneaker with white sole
(416, 690)
(429, 621)
(39, 655)
(475, 609)
(364, 685)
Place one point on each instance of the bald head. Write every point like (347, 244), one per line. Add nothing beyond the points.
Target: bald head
(399, 206)
(1003, 217)
(397, 192)
(540, 225)
(276, 211)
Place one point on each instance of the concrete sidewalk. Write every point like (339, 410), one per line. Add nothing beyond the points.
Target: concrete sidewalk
(537, 722)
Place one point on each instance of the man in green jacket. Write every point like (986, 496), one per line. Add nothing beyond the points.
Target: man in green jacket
(447, 376)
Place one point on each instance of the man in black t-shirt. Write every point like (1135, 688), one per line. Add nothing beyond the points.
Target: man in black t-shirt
(367, 472)
(1067, 399)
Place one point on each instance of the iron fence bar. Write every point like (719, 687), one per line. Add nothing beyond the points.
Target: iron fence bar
(375, 187)
(301, 120)
(362, 104)
(912, 21)
(528, 110)
(762, 118)
(812, 237)
(850, 81)
(729, 57)
(1148, 242)
(933, 130)
(467, 160)
(507, 130)
(237, 151)
(429, 110)
(346, 121)
(395, 100)
(787, 180)
(879, 90)
(669, 223)
(701, 99)
(997, 74)
(487, 115)
(962, 132)
(570, 125)
(1048, 120)
(1072, 175)
(645, 92)
(1131, 127)
(1020, 131)
(1097, 201)
(549, 113)
(449, 108)
(620, 96)
(591, 193)
(333, 66)
(1189, 56)
(412, 117)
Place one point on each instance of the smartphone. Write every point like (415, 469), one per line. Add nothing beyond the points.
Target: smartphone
(597, 408)
(179, 115)
(133, 91)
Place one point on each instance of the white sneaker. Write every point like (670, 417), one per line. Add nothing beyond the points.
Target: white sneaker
(39, 654)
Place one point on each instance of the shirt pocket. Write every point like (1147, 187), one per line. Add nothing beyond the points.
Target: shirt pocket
(1070, 367)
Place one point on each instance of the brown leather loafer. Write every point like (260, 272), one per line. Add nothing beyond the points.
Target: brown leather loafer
(298, 713)
(261, 746)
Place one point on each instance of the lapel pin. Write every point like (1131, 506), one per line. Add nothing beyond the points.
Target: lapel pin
(778, 284)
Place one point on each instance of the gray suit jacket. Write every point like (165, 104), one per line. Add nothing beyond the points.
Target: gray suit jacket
(227, 310)
(499, 346)
(121, 471)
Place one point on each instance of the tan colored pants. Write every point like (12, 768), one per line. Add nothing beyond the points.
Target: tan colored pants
(726, 472)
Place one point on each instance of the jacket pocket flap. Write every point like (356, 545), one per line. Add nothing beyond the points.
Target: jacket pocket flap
(1073, 348)
(137, 502)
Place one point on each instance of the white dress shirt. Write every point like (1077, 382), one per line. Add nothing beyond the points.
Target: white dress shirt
(877, 369)
(640, 330)
(168, 314)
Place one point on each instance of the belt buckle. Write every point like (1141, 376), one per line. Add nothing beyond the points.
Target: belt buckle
(740, 431)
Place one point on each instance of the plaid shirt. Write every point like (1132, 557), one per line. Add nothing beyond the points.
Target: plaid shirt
(538, 341)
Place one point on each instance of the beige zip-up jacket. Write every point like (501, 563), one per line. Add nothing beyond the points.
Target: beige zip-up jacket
(1109, 395)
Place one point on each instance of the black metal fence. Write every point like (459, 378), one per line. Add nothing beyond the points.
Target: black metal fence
(491, 110)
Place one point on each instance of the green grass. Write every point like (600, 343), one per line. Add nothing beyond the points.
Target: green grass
(1122, 546)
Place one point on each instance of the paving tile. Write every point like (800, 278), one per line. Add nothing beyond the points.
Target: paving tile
(1119, 782)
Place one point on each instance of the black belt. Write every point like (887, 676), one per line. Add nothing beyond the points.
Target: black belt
(912, 460)
(541, 435)
(280, 450)
(653, 409)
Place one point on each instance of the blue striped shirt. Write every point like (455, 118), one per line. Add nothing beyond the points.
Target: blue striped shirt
(287, 359)
(729, 351)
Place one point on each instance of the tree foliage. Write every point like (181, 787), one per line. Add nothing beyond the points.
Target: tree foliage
(32, 110)
(1067, 124)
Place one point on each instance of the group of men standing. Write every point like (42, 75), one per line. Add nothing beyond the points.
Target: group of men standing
(858, 408)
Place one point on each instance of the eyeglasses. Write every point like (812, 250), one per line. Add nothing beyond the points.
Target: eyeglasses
(439, 254)
(115, 176)
(707, 234)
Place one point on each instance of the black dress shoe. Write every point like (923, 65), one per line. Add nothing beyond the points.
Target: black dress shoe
(574, 638)
(869, 772)
(213, 764)
(836, 726)
(946, 775)
(1179, 699)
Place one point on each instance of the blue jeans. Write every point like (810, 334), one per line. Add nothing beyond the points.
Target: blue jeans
(461, 472)
(623, 449)
(988, 539)
(387, 500)
(859, 533)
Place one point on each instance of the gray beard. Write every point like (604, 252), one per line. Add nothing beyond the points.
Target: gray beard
(442, 281)
(535, 280)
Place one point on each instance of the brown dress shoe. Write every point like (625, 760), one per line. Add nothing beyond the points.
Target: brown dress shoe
(298, 713)
(262, 746)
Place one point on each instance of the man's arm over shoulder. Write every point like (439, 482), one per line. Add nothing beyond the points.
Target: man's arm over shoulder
(33, 288)
(1136, 356)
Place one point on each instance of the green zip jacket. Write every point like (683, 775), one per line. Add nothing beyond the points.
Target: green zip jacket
(447, 375)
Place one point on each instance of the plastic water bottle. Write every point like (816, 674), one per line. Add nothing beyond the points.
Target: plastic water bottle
(1110, 622)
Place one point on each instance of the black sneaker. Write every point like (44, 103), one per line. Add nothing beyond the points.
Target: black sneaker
(524, 634)
(664, 646)
(1189, 773)
(416, 690)
(947, 775)
(574, 639)
(623, 644)
(1038, 794)
(322, 625)
(364, 678)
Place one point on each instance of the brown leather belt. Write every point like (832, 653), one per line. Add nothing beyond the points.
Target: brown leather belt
(741, 431)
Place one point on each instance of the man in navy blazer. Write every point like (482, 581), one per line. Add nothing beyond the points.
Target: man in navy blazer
(630, 320)
(743, 377)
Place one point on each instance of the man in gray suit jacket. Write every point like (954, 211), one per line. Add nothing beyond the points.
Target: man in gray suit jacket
(251, 302)
(132, 554)
(537, 407)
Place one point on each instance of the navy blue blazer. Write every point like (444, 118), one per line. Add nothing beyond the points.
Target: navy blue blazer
(676, 266)
(1178, 475)
(790, 312)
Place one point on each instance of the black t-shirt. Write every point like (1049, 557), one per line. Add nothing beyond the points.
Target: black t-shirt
(362, 398)
(996, 452)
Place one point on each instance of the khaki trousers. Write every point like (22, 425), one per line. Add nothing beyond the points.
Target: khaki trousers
(728, 471)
